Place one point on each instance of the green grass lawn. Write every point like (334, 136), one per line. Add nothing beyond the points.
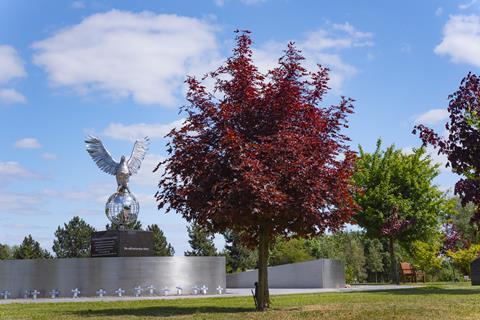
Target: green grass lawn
(433, 302)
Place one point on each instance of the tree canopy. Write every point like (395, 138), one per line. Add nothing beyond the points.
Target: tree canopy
(201, 241)
(461, 146)
(30, 249)
(160, 245)
(73, 239)
(397, 196)
(259, 155)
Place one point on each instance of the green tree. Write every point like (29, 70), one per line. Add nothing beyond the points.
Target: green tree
(374, 256)
(238, 257)
(73, 239)
(289, 251)
(160, 245)
(30, 249)
(398, 199)
(6, 252)
(137, 225)
(426, 256)
(201, 242)
(463, 258)
(344, 246)
(462, 221)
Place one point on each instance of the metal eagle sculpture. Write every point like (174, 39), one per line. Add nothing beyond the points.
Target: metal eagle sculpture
(121, 170)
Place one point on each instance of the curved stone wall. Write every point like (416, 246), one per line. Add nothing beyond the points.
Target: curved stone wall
(91, 274)
(321, 273)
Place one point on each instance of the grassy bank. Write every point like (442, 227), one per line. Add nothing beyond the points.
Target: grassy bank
(431, 302)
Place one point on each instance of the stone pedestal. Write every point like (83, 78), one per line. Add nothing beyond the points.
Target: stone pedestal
(122, 243)
(475, 272)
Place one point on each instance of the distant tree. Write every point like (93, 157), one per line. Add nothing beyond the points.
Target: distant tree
(73, 239)
(30, 249)
(201, 241)
(354, 257)
(137, 225)
(6, 252)
(344, 246)
(464, 257)
(461, 219)
(160, 245)
(259, 155)
(238, 256)
(426, 256)
(374, 256)
(398, 199)
(461, 146)
(289, 251)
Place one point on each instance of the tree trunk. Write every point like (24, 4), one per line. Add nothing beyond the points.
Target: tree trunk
(263, 296)
(393, 261)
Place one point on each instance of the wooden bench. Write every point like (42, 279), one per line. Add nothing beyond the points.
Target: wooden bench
(408, 272)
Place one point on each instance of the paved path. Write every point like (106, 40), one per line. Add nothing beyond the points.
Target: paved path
(230, 293)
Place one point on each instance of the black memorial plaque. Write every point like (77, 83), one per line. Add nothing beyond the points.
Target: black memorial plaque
(475, 267)
(122, 243)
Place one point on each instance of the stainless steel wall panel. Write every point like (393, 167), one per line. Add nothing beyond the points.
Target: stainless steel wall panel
(321, 273)
(91, 274)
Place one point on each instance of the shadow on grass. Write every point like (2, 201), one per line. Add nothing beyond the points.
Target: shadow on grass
(160, 311)
(428, 290)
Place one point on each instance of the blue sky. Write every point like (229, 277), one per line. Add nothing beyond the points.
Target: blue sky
(116, 69)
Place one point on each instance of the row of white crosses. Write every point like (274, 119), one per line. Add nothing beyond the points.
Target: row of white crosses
(138, 290)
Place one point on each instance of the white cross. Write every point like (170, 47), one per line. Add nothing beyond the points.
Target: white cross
(101, 292)
(119, 291)
(151, 290)
(219, 290)
(54, 293)
(75, 292)
(179, 291)
(166, 291)
(138, 291)
(35, 293)
(195, 290)
(204, 289)
(5, 294)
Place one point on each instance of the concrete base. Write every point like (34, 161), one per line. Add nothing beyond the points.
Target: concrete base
(321, 273)
(91, 274)
(241, 292)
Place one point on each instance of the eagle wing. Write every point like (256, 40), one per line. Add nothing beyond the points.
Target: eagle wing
(140, 148)
(101, 156)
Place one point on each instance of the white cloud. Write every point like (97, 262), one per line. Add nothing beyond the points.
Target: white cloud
(10, 96)
(11, 170)
(320, 46)
(142, 55)
(78, 5)
(22, 203)
(139, 130)
(439, 11)
(145, 176)
(49, 156)
(466, 5)
(27, 143)
(252, 2)
(432, 117)
(11, 68)
(461, 39)
(406, 48)
(221, 3)
(12, 65)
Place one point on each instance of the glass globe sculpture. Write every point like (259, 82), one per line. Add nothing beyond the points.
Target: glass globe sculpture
(122, 208)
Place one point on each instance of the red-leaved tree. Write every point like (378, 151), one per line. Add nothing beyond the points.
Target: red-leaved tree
(259, 156)
(462, 145)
